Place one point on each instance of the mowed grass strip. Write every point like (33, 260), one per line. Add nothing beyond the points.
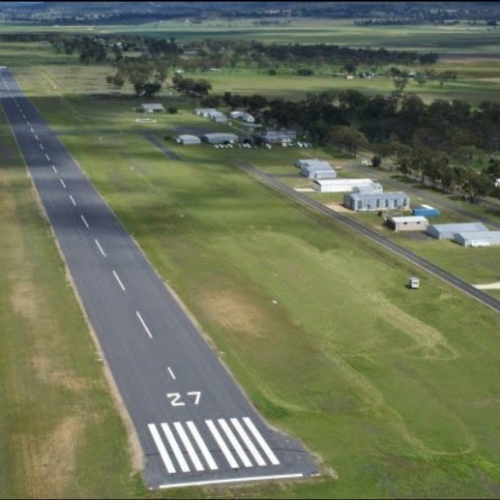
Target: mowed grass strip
(318, 326)
(60, 433)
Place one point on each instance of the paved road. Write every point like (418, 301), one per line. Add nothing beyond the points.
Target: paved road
(194, 424)
(365, 231)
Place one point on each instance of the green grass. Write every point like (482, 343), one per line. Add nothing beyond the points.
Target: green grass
(396, 390)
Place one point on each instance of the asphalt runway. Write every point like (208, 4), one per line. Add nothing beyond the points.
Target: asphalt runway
(193, 422)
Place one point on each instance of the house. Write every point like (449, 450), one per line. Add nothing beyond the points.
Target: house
(220, 138)
(369, 202)
(187, 139)
(339, 185)
(152, 108)
(408, 223)
(448, 231)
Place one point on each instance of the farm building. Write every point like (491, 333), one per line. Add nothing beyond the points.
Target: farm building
(367, 202)
(320, 170)
(242, 115)
(218, 117)
(312, 163)
(409, 223)
(220, 138)
(477, 238)
(186, 139)
(448, 231)
(152, 108)
(371, 188)
(426, 211)
(339, 185)
(278, 136)
(205, 112)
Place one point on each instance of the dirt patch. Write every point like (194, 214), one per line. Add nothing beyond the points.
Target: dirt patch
(52, 461)
(234, 312)
(338, 207)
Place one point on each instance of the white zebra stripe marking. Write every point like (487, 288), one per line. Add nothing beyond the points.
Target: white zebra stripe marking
(258, 436)
(236, 445)
(189, 447)
(222, 445)
(244, 436)
(175, 447)
(202, 446)
(161, 448)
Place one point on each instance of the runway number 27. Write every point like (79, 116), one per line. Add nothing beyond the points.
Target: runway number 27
(176, 398)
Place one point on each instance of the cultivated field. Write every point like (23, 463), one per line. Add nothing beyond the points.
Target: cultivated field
(395, 391)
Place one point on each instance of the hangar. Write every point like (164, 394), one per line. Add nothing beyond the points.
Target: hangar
(368, 202)
(220, 138)
(152, 108)
(188, 139)
(448, 231)
(478, 238)
(339, 185)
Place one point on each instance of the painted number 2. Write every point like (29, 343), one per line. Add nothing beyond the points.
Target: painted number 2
(176, 398)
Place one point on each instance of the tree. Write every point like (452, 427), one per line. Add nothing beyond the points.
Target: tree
(350, 139)
(474, 184)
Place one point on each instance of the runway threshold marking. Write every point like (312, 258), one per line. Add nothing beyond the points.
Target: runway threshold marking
(138, 314)
(119, 281)
(222, 445)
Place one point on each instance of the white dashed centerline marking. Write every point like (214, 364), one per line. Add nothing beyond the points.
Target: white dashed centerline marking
(119, 281)
(171, 372)
(138, 314)
(72, 200)
(62, 183)
(36, 137)
(41, 146)
(47, 156)
(54, 169)
(84, 221)
(100, 248)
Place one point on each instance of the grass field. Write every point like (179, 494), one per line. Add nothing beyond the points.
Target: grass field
(395, 390)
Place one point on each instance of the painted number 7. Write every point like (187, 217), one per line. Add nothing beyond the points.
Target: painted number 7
(176, 398)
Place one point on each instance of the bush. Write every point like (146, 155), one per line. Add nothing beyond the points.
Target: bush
(376, 161)
(305, 72)
(271, 72)
(172, 110)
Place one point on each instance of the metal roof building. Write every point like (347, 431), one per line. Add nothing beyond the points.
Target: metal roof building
(407, 223)
(368, 202)
(220, 138)
(477, 238)
(448, 231)
(152, 108)
(205, 112)
(278, 136)
(186, 139)
(339, 185)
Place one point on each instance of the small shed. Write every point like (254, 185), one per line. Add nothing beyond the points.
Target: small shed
(220, 138)
(152, 108)
(426, 211)
(448, 231)
(187, 139)
(478, 238)
(369, 202)
(413, 282)
(408, 223)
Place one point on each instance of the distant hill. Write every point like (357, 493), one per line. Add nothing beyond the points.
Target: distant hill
(374, 12)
